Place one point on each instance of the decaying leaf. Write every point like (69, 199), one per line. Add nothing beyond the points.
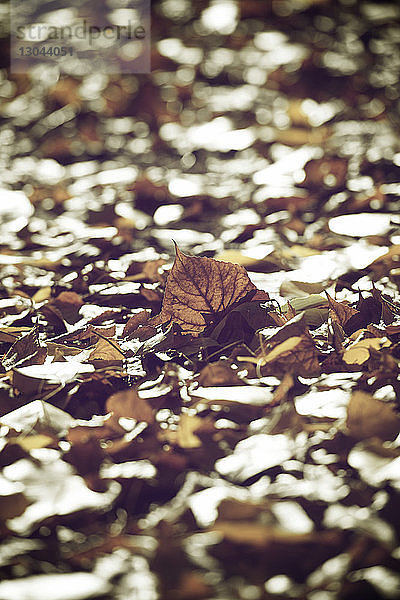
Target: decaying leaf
(201, 286)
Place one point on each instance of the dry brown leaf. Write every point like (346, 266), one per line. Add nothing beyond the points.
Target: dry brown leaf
(218, 374)
(296, 354)
(68, 303)
(368, 417)
(340, 311)
(201, 286)
(106, 353)
(26, 346)
(129, 405)
(137, 319)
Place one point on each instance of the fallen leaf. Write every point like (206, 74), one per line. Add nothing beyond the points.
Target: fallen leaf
(41, 295)
(359, 352)
(26, 346)
(368, 417)
(68, 303)
(307, 302)
(128, 404)
(148, 271)
(106, 353)
(184, 436)
(10, 335)
(390, 260)
(340, 311)
(135, 321)
(297, 355)
(12, 504)
(36, 378)
(241, 258)
(300, 288)
(201, 286)
(218, 374)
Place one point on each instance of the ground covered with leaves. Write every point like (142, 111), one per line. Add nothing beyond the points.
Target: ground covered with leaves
(200, 313)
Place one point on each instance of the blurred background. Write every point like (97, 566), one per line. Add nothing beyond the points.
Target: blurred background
(258, 122)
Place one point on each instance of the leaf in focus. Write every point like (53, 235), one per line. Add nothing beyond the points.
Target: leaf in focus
(201, 286)
(368, 417)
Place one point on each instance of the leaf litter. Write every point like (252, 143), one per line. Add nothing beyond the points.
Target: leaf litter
(222, 420)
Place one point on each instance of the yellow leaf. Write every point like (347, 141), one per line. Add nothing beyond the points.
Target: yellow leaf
(240, 258)
(359, 352)
(184, 436)
(282, 348)
(42, 294)
(32, 442)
